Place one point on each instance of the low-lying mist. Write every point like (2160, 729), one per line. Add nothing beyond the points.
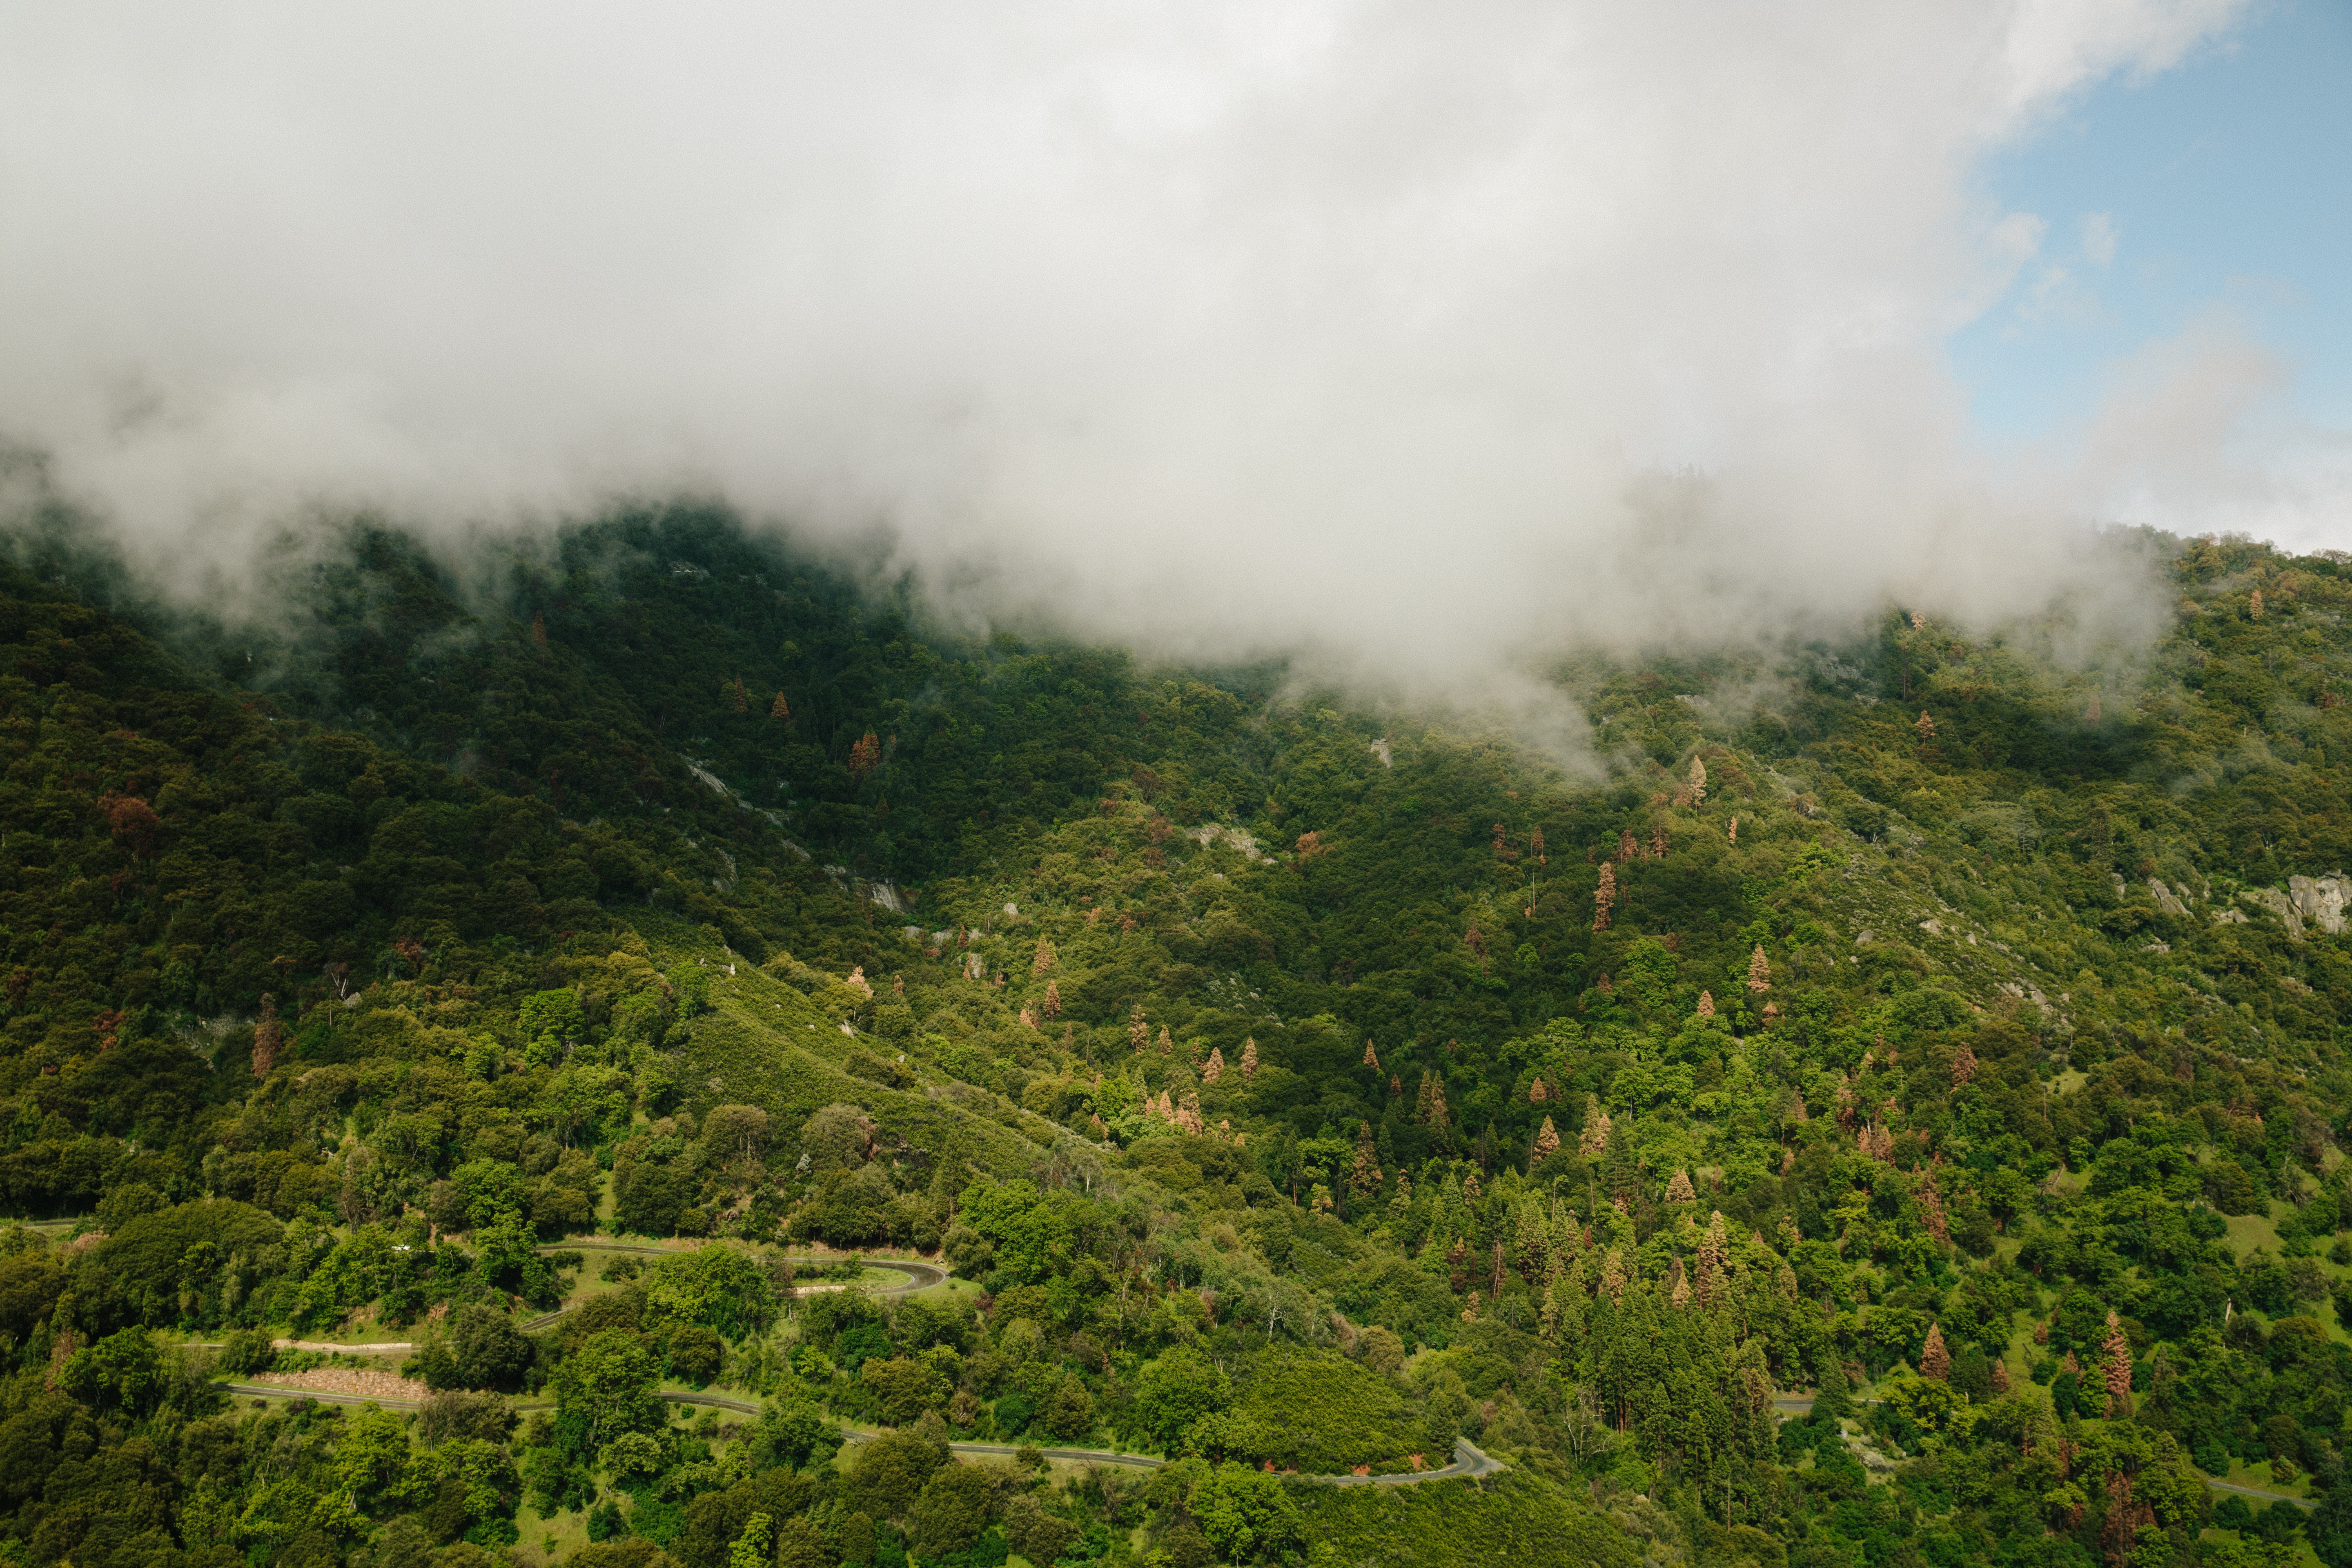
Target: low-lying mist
(1411, 345)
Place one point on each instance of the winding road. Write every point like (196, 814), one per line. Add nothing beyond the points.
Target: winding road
(1469, 1461)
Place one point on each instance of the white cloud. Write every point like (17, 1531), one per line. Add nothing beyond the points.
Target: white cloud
(2099, 237)
(1363, 327)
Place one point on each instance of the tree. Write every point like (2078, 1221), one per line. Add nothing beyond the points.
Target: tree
(2116, 1355)
(1033, 1533)
(1173, 1392)
(1697, 781)
(1052, 1000)
(1371, 1057)
(1547, 1142)
(1706, 1003)
(1595, 1137)
(123, 1371)
(955, 1505)
(1926, 727)
(1070, 1410)
(890, 1471)
(1043, 960)
(1246, 1514)
(736, 1132)
(865, 756)
(268, 1037)
(1249, 1058)
(2254, 604)
(780, 708)
(1935, 1361)
(1679, 1191)
(752, 1548)
(1964, 1067)
(736, 697)
(1215, 1069)
(1604, 897)
(717, 1287)
(607, 1384)
(1138, 1033)
(903, 1387)
(1760, 971)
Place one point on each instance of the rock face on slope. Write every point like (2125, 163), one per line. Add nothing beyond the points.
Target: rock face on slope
(2317, 900)
(2321, 900)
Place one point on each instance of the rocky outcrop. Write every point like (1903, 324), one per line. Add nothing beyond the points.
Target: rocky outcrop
(2308, 901)
(2279, 904)
(2320, 899)
(2166, 900)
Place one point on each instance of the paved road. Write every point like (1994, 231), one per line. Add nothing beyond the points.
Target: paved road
(1468, 1461)
(919, 1276)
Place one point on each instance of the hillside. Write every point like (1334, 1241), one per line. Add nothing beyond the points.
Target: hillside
(1890, 1111)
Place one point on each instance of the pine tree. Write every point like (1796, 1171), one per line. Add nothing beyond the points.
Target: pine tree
(1658, 842)
(737, 698)
(1680, 1296)
(1678, 1190)
(1365, 1175)
(1735, 830)
(1249, 1058)
(2254, 604)
(1964, 1065)
(1053, 999)
(1216, 1067)
(1626, 847)
(1167, 1045)
(1760, 971)
(1494, 1274)
(1595, 1137)
(2118, 1359)
(1697, 781)
(1439, 1116)
(1926, 727)
(1371, 1057)
(1603, 897)
(1613, 1280)
(1045, 959)
(2000, 1377)
(1535, 845)
(1457, 1264)
(865, 756)
(1396, 1086)
(1537, 1092)
(1706, 1003)
(1935, 1361)
(1028, 1019)
(1547, 1142)
(1138, 1033)
(780, 708)
(1931, 1209)
(268, 1037)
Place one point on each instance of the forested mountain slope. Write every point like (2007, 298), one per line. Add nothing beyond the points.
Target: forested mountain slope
(1921, 1023)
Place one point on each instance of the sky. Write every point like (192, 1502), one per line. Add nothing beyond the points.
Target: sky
(2215, 197)
(1416, 341)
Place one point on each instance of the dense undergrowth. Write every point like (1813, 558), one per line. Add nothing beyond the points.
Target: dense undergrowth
(1923, 1024)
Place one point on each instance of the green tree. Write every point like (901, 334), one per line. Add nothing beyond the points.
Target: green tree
(956, 1504)
(608, 1386)
(1173, 1392)
(1246, 1514)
